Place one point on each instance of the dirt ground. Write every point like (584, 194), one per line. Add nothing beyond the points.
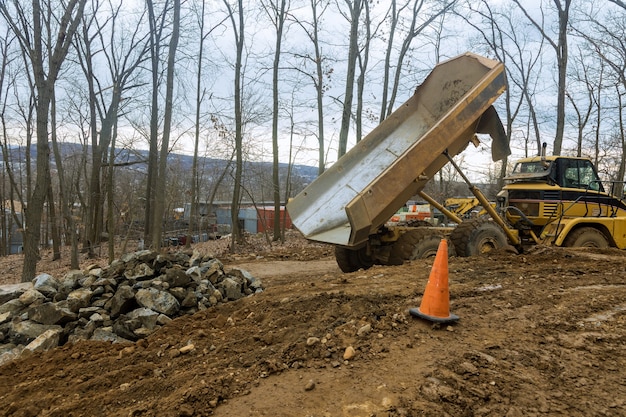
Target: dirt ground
(540, 334)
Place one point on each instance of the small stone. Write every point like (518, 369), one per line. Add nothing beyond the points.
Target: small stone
(349, 353)
(312, 341)
(364, 330)
(186, 349)
(186, 410)
(309, 385)
(387, 403)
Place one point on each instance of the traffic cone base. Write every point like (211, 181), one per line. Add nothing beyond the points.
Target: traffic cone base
(415, 312)
(435, 304)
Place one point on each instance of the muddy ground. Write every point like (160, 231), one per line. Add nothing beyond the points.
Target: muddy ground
(540, 334)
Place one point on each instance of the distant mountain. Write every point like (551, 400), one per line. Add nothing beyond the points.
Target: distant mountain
(137, 160)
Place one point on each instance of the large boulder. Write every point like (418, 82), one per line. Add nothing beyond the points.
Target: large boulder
(157, 300)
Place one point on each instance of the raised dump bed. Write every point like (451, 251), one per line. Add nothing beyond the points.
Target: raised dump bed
(367, 185)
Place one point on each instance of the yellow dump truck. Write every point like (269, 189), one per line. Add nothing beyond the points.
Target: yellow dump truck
(553, 200)
(350, 202)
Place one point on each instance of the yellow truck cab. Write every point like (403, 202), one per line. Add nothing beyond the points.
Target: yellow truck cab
(561, 201)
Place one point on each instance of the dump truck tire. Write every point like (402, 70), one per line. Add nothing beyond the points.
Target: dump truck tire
(478, 236)
(416, 244)
(586, 237)
(350, 260)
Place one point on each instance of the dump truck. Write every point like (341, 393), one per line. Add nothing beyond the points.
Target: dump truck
(349, 203)
(547, 200)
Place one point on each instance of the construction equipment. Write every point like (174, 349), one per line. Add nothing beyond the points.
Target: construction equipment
(465, 207)
(552, 200)
(350, 202)
(561, 201)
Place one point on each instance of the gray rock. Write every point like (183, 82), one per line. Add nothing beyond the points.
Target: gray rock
(232, 289)
(143, 332)
(78, 299)
(72, 280)
(45, 341)
(140, 272)
(163, 319)
(190, 300)
(125, 327)
(48, 291)
(50, 313)
(126, 301)
(160, 301)
(8, 355)
(13, 291)
(122, 302)
(31, 296)
(5, 317)
(251, 281)
(176, 277)
(106, 335)
(195, 273)
(25, 332)
(147, 317)
(84, 333)
(96, 271)
(45, 280)
(12, 306)
(88, 311)
(214, 270)
(179, 292)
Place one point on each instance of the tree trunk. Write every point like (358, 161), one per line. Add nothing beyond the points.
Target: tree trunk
(159, 207)
(346, 114)
(238, 29)
(279, 15)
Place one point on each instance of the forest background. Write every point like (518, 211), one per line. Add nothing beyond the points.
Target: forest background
(131, 83)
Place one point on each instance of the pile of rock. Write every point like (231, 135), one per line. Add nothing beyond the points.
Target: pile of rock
(126, 301)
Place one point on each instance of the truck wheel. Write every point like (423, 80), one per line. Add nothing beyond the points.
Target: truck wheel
(416, 244)
(587, 237)
(478, 236)
(350, 260)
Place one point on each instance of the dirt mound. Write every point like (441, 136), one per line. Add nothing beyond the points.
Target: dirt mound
(540, 334)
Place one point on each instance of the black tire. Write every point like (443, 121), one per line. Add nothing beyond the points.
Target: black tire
(586, 237)
(350, 260)
(478, 236)
(416, 244)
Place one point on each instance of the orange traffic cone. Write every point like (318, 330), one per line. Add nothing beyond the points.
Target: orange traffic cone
(435, 304)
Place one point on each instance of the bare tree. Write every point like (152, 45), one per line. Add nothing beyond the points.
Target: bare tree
(414, 29)
(363, 56)
(355, 7)
(193, 209)
(238, 32)
(606, 36)
(320, 78)
(277, 13)
(30, 29)
(159, 206)
(157, 24)
(100, 41)
(498, 31)
(592, 83)
(561, 50)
